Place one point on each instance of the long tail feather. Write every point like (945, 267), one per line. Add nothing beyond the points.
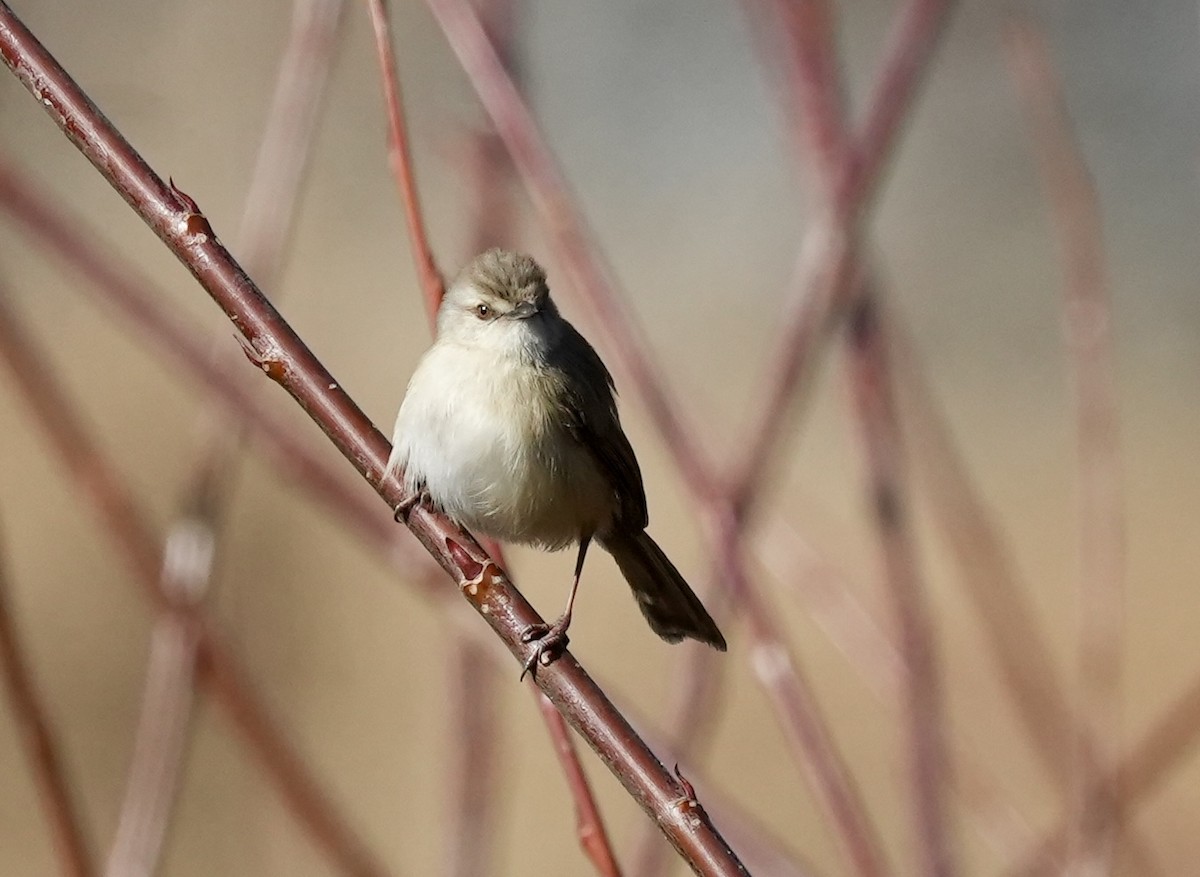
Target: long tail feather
(670, 606)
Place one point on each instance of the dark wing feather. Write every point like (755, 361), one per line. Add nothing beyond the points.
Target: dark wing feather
(590, 414)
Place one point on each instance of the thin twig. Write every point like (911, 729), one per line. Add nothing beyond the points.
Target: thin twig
(280, 353)
(796, 708)
(1150, 762)
(400, 157)
(168, 696)
(588, 825)
(789, 693)
(124, 286)
(491, 211)
(826, 268)
(473, 678)
(99, 481)
(848, 180)
(565, 227)
(986, 569)
(190, 546)
(875, 407)
(33, 723)
(871, 652)
(1075, 210)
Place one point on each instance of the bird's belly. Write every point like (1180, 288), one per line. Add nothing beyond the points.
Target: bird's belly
(495, 460)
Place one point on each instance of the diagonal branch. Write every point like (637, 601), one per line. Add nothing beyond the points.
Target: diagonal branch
(826, 268)
(33, 724)
(1075, 211)
(400, 157)
(134, 537)
(283, 356)
(848, 180)
(123, 285)
(164, 726)
(590, 827)
(787, 689)
(567, 230)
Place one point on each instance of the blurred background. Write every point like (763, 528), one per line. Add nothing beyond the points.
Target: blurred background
(667, 126)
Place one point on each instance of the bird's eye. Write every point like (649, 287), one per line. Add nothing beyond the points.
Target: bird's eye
(482, 311)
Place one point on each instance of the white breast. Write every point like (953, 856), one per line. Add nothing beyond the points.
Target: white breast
(476, 432)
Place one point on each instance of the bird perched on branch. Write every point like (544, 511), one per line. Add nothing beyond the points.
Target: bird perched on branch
(510, 428)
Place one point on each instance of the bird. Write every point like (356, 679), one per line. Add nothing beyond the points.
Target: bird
(509, 427)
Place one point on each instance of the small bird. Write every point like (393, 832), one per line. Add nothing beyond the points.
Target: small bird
(510, 427)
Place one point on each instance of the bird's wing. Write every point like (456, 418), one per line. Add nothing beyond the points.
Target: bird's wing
(590, 413)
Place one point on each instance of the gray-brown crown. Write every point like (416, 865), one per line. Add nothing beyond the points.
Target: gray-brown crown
(510, 276)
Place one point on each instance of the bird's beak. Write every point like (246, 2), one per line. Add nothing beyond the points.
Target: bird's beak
(524, 310)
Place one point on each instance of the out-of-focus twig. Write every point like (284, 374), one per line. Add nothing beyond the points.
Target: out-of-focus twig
(1149, 763)
(875, 407)
(280, 353)
(400, 156)
(121, 284)
(1075, 211)
(788, 691)
(848, 179)
(190, 546)
(90, 470)
(492, 208)
(825, 274)
(986, 569)
(34, 726)
(476, 744)
(588, 824)
(778, 672)
(564, 225)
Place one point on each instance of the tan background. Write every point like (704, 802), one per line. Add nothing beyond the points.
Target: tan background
(668, 131)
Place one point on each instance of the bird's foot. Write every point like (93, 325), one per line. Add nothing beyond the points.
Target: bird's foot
(406, 505)
(550, 642)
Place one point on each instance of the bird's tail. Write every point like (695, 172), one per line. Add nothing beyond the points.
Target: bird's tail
(670, 606)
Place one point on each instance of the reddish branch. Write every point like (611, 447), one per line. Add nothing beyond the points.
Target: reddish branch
(849, 179)
(191, 543)
(492, 173)
(1149, 763)
(33, 725)
(875, 407)
(586, 272)
(588, 824)
(826, 274)
(128, 527)
(1075, 211)
(789, 694)
(400, 156)
(986, 568)
(121, 284)
(282, 356)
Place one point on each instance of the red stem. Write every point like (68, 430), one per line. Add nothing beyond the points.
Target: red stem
(1075, 212)
(283, 356)
(33, 725)
(164, 727)
(827, 265)
(400, 157)
(849, 180)
(588, 824)
(128, 527)
(565, 227)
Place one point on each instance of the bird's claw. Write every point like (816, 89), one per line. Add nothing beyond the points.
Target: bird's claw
(405, 506)
(550, 641)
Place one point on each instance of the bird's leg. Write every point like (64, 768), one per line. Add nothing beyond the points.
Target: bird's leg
(552, 639)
